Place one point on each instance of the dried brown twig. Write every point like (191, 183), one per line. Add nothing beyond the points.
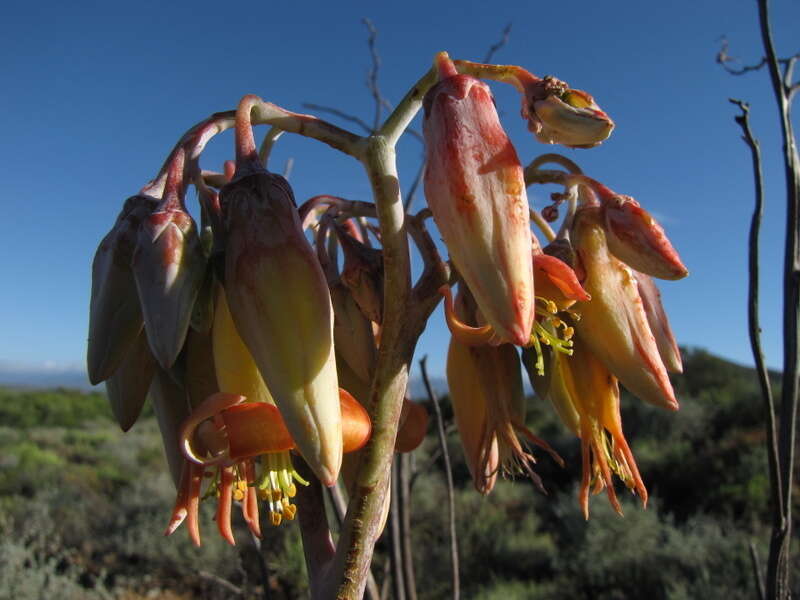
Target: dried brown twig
(495, 47)
(778, 584)
(451, 504)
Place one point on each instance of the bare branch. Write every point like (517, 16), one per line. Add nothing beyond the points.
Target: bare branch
(759, 577)
(224, 583)
(788, 70)
(752, 305)
(262, 565)
(451, 504)
(792, 92)
(404, 504)
(395, 550)
(723, 58)
(372, 76)
(779, 565)
(495, 47)
(341, 114)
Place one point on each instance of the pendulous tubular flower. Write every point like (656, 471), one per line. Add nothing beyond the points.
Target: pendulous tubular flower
(227, 433)
(613, 324)
(659, 323)
(169, 266)
(475, 189)
(638, 240)
(237, 439)
(586, 397)
(488, 401)
(279, 300)
(362, 274)
(115, 317)
(127, 388)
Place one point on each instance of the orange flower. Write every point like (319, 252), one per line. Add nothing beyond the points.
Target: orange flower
(226, 433)
(489, 405)
(614, 324)
(582, 383)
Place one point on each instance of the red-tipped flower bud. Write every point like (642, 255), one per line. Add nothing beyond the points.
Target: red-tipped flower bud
(475, 189)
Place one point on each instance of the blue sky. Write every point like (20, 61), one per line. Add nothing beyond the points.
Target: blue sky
(95, 94)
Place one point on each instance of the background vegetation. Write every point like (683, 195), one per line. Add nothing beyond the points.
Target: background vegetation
(83, 508)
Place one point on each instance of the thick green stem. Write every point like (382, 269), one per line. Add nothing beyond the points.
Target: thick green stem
(361, 527)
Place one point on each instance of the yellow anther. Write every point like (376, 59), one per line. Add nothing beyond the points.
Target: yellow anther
(238, 494)
(291, 490)
(275, 518)
(289, 512)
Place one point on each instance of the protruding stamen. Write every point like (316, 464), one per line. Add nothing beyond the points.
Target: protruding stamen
(276, 486)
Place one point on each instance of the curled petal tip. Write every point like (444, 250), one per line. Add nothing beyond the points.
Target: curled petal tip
(466, 334)
(177, 518)
(560, 275)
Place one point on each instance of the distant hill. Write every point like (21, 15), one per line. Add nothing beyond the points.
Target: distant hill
(43, 376)
(48, 376)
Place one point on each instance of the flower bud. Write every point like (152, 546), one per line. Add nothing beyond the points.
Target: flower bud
(613, 324)
(638, 240)
(412, 427)
(127, 388)
(352, 333)
(556, 281)
(469, 409)
(171, 407)
(169, 266)
(475, 189)
(281, 307)
(659, 324)
(115, 316)
(557, 114)
(362, 274)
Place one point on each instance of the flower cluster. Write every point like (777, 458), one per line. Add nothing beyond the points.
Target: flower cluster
(230, 331)
(583, 309)
(259, 334)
